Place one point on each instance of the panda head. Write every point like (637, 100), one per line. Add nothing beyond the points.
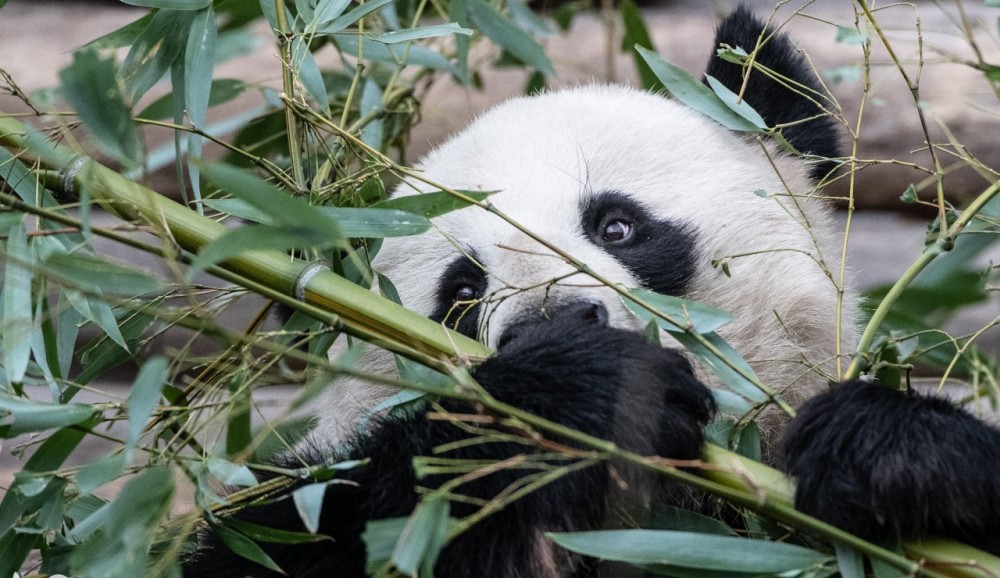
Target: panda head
(645, 192)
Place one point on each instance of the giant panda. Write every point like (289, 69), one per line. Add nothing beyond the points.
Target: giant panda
(647, 193)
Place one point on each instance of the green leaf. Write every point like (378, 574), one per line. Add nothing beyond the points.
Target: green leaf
(413, 54)
(745, 386)
(696, 95)
(851, 35)
(245, 547)
(342, 22)
(309, 504)
(636, 34)
(19, 415)
(272, 535)
(155, 50)
(243, 240)
(352, 222)
(504, 33)
(326, 10)
(91, 87)
(145, 396)
(304, 66)
(124, 36)
(849, 561)
(276, 204)
(171, 4)
(431, 205)
(528, 20)
(199, 64)
(423, 537)
(98, 312)
(646, 548)
(909, 196)
(679, 519)
(372, 133)
(732, 100)
(97, 473)
(17, 323)
(223, 90)
(699, 317)
(380, 537)
(231, 474)
(397, 36)
(97, 276)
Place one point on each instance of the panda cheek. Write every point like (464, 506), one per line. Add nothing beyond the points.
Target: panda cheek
(664, 257)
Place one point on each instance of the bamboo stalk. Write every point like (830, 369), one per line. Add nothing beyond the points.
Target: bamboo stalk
(363, 313)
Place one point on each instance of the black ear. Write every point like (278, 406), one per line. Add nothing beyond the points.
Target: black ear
(777, 104)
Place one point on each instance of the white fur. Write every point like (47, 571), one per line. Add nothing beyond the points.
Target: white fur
(543, 152)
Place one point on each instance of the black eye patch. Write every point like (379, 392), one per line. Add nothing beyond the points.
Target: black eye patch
(660, 253)
(461, 285)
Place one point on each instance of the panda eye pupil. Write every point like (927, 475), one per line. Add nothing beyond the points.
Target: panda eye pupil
(466, 293)
(617, 230)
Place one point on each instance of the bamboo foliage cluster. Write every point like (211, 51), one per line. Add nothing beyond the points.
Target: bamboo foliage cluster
(302, 181)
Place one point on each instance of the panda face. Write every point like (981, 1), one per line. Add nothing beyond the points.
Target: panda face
(642, 191)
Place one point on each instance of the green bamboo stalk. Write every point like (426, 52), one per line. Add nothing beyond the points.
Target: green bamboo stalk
(363, 313)
(735, 478)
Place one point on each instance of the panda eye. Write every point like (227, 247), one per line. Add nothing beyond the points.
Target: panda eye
(465, 293)
(617, 230)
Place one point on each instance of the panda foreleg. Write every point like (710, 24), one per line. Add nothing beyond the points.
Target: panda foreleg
(584, 375)
(884, 464)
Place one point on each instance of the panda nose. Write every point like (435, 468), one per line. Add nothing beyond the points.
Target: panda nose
(582, 311)
(577, 311)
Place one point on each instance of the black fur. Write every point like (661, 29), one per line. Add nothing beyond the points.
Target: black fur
(777, 104)
(602, 381)
(661, 254)
(883, 464)
(460, 317)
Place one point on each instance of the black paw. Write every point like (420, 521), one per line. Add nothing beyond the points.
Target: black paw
(882, 464)
(574, 369)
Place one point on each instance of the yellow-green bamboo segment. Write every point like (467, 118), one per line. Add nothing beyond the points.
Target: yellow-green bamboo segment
(368, 316)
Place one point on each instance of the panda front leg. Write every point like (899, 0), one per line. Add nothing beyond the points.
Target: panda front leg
(571, 369)
(885, 465)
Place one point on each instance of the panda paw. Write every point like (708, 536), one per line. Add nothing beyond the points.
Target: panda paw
(883, 464)
(574, 369)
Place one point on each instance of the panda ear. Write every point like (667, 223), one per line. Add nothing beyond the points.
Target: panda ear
(777, 104)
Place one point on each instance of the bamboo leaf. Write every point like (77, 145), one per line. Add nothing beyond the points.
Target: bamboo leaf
(199, 64)
(90, 85)
(19, 415)
(305, 67)
(257, 238)
(155, 50)
(17, 322)
(371, 102)
(277, 205)
(118, 537)
(171, 4)
(431, 205)
(245, 547)
(223, 90)
(145, 396)
(502, 31)
(309, 504)
(646, 548)
(423, 536)
(231, 474)
(414, 54)
(636, 34)
(272, 535)
(341, 22)
(701, 318)
(380, 537)
(421, 32)
(97, 473)
(732, 100)
(97, 276)
(696, 95)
